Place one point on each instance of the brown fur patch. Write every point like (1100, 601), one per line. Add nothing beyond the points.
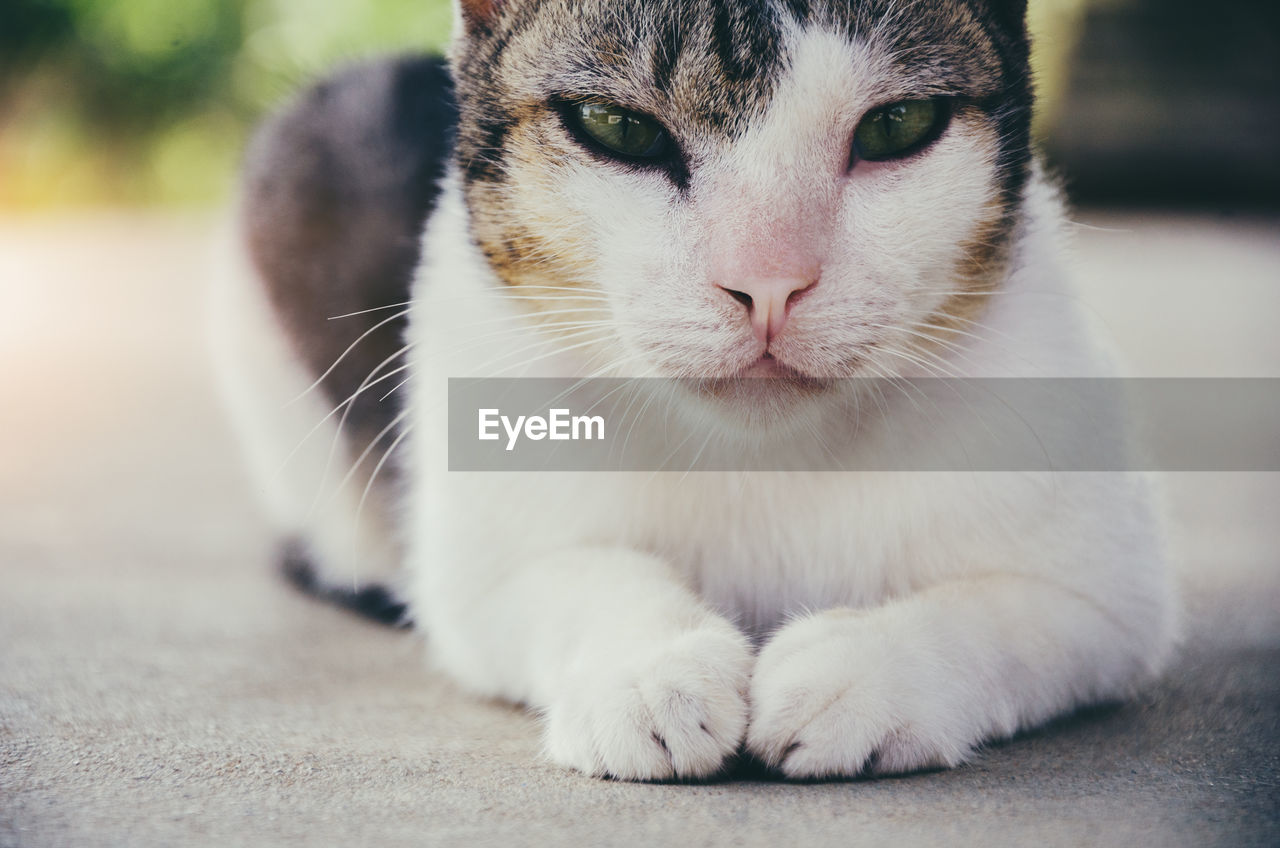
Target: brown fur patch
(543, 261)
(979, 273)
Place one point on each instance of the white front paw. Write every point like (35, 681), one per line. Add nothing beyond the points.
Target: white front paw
(833, 696)
(672, 710)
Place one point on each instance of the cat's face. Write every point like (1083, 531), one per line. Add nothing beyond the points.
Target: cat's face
(760, 215)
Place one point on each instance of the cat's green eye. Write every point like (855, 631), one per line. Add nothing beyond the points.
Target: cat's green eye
(622, 131)
(896, 129)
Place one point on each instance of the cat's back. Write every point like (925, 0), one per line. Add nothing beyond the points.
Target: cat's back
(336, 189)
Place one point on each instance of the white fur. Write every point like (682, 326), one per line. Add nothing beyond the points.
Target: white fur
(833, 622)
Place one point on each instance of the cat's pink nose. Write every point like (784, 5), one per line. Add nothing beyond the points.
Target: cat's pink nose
(768, 300)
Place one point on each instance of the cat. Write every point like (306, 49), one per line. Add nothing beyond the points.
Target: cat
(798, 191)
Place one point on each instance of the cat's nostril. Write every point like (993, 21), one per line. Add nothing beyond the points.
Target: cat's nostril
(795, 296)
(740, 296)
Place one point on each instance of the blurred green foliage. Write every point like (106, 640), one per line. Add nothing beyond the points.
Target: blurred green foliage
(149, 101)
(133, 101)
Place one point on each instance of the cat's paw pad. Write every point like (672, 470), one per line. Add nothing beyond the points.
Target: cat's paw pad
(672, 711)
(831, 697)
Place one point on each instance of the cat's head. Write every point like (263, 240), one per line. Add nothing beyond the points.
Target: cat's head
(803, 188)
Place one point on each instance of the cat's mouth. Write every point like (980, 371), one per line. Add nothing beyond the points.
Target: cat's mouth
(769, 367)
(766, 400)
(767, 380)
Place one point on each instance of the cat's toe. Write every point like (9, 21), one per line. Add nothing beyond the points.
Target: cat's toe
(830, 698)
(675, 712)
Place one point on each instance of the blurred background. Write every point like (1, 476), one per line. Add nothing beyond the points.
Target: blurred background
(146, 102)
(159, 684)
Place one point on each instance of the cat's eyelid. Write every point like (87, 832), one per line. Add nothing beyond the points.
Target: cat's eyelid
(946, 101)
(562, 100)
(672, 162)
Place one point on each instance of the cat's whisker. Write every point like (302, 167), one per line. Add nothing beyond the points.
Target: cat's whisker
(1000, 293)
(371, 309)
(987, 330)
(548, 329)
(577, 290)
(947, 380)
(930, 368)
(958, 350)
(542, 343)
(373, 443)
(631, 425)
(484, 368)
(880, 375)
(884, 376)
(339, 436)
(346, 403)
(961, 396)
(529, 291)
(346, 352)
(541, 292)
(534, 318)
(1081, 225)
(397, 387)
(693, 462)
(613, 364)
(953, 347)
(1009, 349)
(531, 361)
(368, 487)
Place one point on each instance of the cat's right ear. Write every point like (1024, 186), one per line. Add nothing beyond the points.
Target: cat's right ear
(473, 17)
(1010, 14)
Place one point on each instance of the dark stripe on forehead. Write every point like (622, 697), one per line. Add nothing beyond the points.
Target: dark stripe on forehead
(666, 52)
(734, 62)
(744, 36)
